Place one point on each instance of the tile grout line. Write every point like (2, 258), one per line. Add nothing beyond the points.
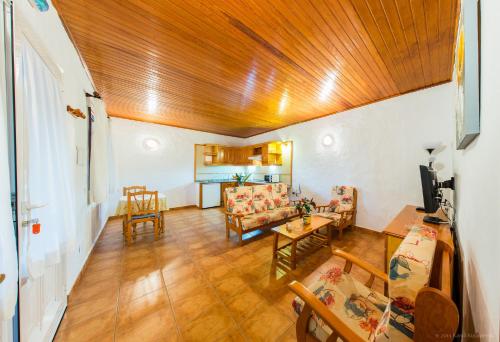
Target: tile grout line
(170, 301)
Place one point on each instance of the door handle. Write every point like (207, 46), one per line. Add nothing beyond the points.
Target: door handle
(2, 278)
(30, 206)
(30, 222)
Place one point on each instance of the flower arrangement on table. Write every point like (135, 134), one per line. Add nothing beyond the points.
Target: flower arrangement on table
(241, 178)
(305, 206)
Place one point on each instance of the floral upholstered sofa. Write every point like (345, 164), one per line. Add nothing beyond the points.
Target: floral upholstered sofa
(341, 209)
(337, 305)
(248, 208)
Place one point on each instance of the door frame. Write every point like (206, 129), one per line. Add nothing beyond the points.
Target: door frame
(11, 331)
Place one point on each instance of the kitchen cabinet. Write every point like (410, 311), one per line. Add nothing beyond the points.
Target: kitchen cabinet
(267, 154)
(213, 155)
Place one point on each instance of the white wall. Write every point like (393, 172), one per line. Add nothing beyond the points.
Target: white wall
(477, 171)
(170, 169)
(376, 148)
(54, 40)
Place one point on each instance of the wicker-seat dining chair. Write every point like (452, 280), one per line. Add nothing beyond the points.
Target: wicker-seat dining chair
(142, 207)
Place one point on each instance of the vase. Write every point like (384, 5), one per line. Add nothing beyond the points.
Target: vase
(306, 218)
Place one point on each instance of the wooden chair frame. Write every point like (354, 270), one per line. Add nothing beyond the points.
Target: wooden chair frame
(125, 191)
(133, 188)
(233, 222)
(140, 209)
(436, 315)
(348, 217)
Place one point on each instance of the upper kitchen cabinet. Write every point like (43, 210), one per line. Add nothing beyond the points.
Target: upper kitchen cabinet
(212, 155)
(267, 153)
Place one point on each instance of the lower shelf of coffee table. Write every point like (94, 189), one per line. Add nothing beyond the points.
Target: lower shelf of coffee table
(304, 247)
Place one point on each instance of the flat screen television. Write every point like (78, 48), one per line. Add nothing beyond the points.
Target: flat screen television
(431, 193)
(429, 189)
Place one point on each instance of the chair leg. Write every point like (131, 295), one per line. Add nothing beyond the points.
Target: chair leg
(128, 233)
(157, 228)
(227, 231)
(240, 237)
(162, 223)
(340, 233)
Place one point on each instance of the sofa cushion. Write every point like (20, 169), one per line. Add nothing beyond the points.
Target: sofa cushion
(342, 198)
(282, 213)
(280, 195)
(263, 198)
(255, 220)
(355, 304)
(409, 271)
(239, 200)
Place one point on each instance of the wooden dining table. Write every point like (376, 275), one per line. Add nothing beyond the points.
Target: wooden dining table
(121, 208)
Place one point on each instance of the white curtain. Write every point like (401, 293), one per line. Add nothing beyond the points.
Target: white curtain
(48, 174)
(112, 170)
(8, 254)
(99, 154)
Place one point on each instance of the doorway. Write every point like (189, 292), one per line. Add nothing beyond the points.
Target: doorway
(45, 204)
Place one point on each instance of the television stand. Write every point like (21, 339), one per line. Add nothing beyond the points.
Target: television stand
(434, 220)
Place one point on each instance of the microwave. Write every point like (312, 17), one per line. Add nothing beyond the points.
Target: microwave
(272, 178)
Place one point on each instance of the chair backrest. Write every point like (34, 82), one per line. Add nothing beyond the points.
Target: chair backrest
(409, 272)
(343, 198)
(142, 203)
(238, 200)
(133, 188)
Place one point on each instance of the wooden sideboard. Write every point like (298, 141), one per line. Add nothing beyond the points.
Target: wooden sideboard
(396, 231)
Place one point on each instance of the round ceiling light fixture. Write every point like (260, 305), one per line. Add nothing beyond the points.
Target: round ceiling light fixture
(151, 144)
(327, 140)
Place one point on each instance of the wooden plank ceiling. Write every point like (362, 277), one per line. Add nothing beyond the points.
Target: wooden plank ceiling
(245, 67)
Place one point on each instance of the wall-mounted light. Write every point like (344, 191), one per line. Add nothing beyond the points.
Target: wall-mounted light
(327, 140)
(151, 144)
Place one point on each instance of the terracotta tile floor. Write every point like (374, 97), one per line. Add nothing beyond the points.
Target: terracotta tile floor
(193, 285)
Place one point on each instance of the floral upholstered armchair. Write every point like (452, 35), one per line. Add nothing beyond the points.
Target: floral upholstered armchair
(337, 305)
(341, 209)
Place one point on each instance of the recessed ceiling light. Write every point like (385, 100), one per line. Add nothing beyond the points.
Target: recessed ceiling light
(327, 140)
(151, 144)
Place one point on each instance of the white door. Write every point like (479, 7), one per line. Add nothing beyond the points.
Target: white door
(42, 276)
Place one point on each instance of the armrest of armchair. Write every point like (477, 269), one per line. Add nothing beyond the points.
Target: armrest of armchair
(351, 259)
(322, 208)
(314, 304)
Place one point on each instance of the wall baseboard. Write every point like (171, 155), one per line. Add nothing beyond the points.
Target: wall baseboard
(84, 267)
(369, 230)
(184, 207)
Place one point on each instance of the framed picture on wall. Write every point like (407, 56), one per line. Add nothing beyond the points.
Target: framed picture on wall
(468, 74)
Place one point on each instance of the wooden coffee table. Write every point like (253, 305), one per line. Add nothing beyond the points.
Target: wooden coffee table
(304, 239)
